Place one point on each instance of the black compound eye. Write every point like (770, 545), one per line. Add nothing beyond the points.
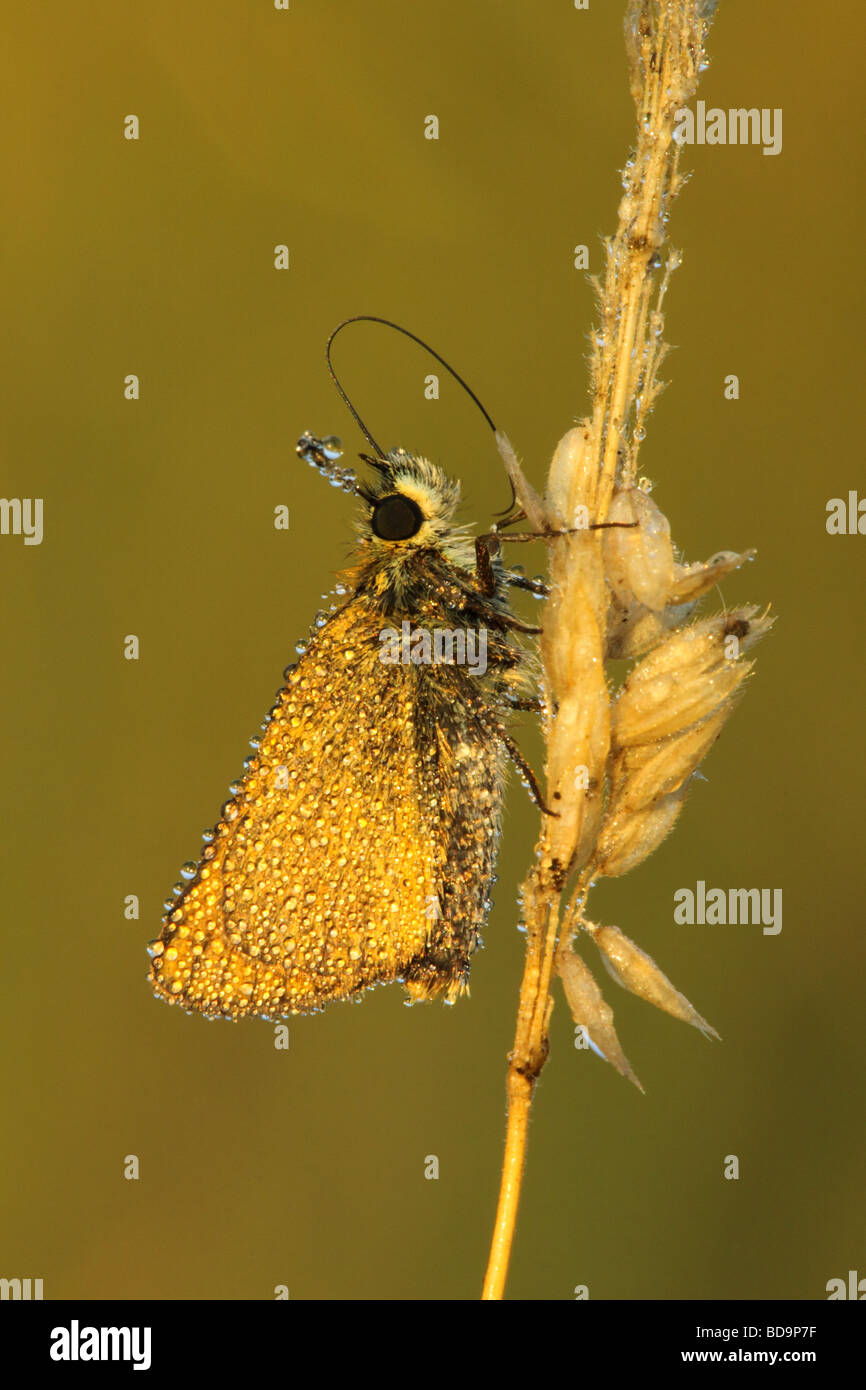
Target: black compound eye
(396, 518)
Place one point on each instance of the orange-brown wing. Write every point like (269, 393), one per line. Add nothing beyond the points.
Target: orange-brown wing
(328, 871)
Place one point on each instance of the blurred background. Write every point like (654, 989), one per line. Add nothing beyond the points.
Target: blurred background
(305, 1167)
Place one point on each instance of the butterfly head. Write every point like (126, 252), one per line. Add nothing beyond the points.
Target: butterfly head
(411, 503)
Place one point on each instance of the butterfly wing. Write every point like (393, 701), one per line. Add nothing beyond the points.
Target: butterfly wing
(358, 849)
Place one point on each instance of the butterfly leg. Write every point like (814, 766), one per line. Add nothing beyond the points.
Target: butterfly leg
(532, 586)
(534, 704)
(490, 722)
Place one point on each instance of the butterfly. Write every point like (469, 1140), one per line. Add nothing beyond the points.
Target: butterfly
(359, 847)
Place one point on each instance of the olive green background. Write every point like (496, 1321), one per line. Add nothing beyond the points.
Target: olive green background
(306, 1167)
